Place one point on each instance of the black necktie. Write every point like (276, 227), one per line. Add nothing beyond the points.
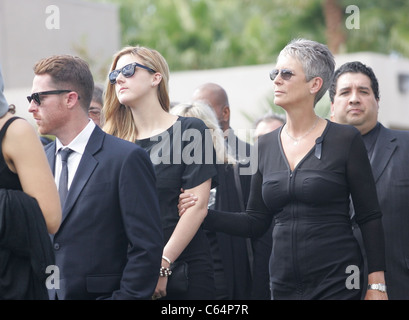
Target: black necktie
(63, 184)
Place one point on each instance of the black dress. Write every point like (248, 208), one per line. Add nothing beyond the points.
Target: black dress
(314, 254)
(25, 247)
(183, 157)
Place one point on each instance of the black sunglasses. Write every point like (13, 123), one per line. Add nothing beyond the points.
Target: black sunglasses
(127, 71)
(284, 73)
(36, 96)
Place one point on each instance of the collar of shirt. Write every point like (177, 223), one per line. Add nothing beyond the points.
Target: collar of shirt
(79, 143)
(78, 146)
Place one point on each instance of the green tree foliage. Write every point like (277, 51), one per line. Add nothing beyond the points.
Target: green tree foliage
(205, 34)
(384, 27)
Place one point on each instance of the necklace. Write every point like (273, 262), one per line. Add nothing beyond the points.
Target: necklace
(297, 140)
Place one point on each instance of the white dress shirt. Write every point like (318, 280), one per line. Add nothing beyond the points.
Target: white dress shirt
(78, 146)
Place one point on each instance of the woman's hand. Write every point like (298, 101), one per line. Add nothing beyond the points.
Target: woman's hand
(186, 200)
(160, 290)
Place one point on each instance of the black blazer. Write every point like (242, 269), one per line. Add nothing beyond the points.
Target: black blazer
(390, 167)
(110, 241)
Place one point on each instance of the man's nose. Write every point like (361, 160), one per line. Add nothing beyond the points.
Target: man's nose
(32, 107)
(354, 98)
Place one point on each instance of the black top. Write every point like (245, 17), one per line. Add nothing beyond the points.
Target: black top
(312, 237)
(8, 179)
(183, 157)
(370, 139)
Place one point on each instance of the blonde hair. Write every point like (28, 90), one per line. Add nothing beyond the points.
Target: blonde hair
(203, 111)
(118, 117)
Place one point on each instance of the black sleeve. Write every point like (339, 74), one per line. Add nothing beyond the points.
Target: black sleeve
(252, 223)
(373, 237)
(365, 200)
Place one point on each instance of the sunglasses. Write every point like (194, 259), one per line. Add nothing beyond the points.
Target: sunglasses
(284, 73)
(127, 71)
(36, 96)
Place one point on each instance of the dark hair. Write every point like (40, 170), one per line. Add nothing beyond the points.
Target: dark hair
(69, 72)
(98, 94)
(354, 67)
(269, 116)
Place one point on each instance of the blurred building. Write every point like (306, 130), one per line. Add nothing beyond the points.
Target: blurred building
(31, 30)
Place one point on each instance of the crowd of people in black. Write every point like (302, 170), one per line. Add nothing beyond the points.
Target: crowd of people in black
(136, 197)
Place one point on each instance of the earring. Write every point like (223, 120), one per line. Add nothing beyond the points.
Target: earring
(153, 84)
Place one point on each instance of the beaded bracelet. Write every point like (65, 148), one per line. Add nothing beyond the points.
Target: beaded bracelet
(165, 272)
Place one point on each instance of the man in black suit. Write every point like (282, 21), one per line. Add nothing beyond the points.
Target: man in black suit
(109, 245)
(354, 96)
(245, 266)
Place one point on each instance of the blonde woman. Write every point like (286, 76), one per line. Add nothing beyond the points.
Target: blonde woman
(136, 108)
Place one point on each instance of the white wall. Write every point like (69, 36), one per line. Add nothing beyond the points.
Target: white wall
(28, 32)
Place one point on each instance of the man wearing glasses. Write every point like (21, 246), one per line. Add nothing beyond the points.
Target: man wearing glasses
(109, 245)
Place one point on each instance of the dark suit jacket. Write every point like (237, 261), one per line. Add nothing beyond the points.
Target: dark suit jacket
(390, 167)
(110, 241)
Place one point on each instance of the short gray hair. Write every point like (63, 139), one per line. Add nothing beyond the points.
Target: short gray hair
(316, 60)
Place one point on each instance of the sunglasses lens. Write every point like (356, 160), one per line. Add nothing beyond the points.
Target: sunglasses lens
(113, 75)
(35, 97)
(273, 74)
(128, 70)
(286, 74)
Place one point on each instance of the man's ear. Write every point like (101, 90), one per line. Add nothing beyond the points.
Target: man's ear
(72, 98)
(226, 114)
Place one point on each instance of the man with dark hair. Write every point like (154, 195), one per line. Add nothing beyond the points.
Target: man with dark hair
(354, 95)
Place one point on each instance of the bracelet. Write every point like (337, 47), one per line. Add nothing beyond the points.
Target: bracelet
(165, 272)
(377, 286)
(166, 259)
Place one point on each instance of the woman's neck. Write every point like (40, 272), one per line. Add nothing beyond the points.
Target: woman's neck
(151, 120)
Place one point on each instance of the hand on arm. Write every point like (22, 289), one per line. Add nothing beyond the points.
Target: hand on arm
(186, 200)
